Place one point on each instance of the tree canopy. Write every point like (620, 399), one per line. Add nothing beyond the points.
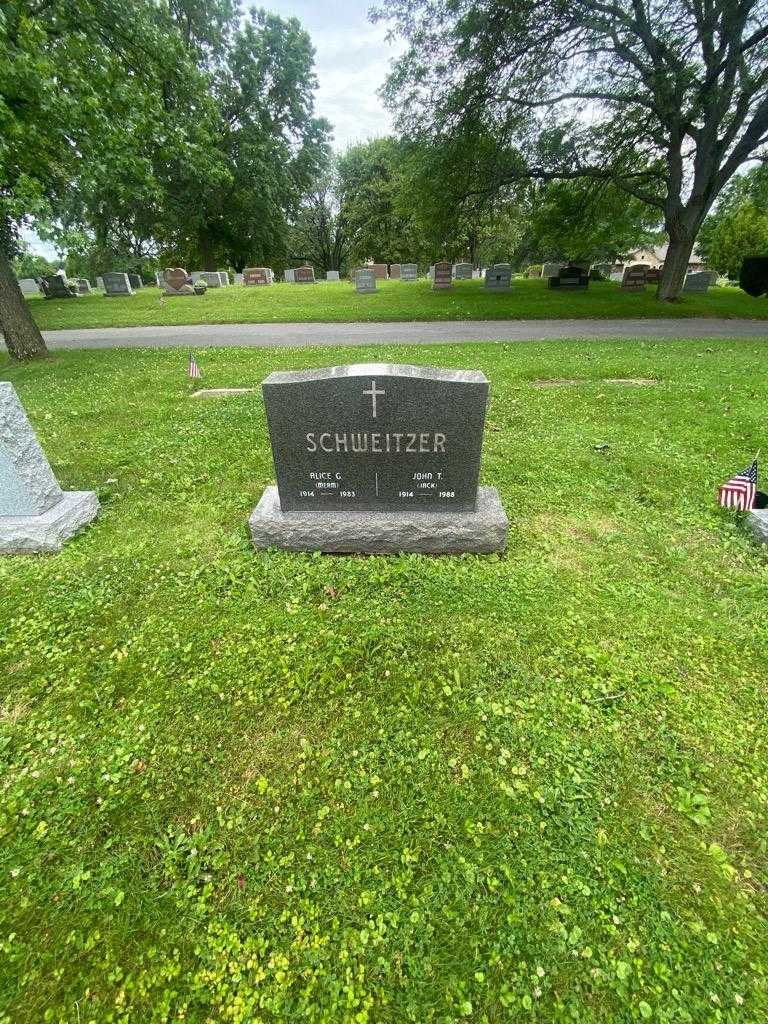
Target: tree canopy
(663, 101)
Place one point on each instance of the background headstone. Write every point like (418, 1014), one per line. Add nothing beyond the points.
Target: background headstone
(394, 271)
(409, 272)
(332, 275)
(699, 281)
(304, 275)
(56, 286)
(239, 278)
(29, 286)
(499, 277)
(158, 279)
(136, 281)
(83, 285)
(290, 276)
(211, 277)
(635, 278)
(550, 270)
(116, 284)
(442, 276)
(177, 282)
(257, 276)
(365, 280)
(462, 271)
(35, 514)
(224, 278)
(100, 283)
(571, 278)
(379, 270)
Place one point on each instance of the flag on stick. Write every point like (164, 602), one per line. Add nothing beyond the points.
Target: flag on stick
(194, 369)
(739, 492)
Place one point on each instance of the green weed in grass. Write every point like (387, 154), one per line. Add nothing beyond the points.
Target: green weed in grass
(272, 787)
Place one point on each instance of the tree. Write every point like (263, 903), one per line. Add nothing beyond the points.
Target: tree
(71, 74)
(27, 264)
(738, 226)
(319, 235)
(664, 101)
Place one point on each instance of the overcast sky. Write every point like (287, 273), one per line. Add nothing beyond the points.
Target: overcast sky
(351, 60)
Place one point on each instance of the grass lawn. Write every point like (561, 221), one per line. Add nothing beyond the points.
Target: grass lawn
(271, 787)
(395, 301)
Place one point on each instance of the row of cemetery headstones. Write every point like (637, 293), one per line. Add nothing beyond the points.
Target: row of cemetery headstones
(375, 458)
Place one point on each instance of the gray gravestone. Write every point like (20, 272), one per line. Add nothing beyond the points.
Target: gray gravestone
(56, 286)
(136, 281)
(117, 284)
(332, 275)
(379, 270)
(571, 278)
(35, 514)
(29, 286)
(550, 270)
(378, 457)
(499, 277)
(239, 278)
(699, 281)
(290, 276)
(394, 271)
(211, 277)
(365, 281)
(442, 276)
(159, 279)
(635, 278)
(257, 276)
(462, 271)
(100, 283)
(224, 278)
(83, 285)
(409, 272)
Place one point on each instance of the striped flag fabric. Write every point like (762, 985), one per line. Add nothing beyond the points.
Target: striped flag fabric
(739, 492)
(194, 369)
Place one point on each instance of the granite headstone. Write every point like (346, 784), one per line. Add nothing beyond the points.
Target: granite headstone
(699, 281)
(365, 281)
(178, 282)
(550, 270)
(571, 278)
(35, 514)
(394, 271)
(29, 286)
(116, 284)
(462, 271)
(442, 278)
(378, 457)
(331, 275)
(379, 270)
(409, 272)
(56, 286)
(304, 275)
(635, 278)
(258, 276)
(136, 281)
(499, 277)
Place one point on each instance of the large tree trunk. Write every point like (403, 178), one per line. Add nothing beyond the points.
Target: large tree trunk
(676, 262)
(22, 335)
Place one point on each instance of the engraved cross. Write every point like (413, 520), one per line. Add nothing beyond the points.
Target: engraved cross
(374, 392)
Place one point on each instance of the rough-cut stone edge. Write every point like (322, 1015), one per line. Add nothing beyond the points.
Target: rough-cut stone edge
(757, 524)
(29, 535)
(19, 441)
(483, 531)
(221, 392)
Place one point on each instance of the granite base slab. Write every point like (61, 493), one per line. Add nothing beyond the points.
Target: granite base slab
(757, 523)
(483, 531)
(29, 535)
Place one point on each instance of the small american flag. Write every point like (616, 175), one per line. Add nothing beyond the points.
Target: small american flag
(739, 491)
(194, 369)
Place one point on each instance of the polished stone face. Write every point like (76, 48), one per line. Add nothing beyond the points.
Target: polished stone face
(365, 280)
(376, 437)
(442, 276)
(408, 271)
(117, 284)
(499, 277)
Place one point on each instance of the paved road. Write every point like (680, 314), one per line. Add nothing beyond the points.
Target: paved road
(307, 334)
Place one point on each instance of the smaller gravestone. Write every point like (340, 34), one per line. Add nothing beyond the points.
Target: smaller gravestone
(136, 281)
(117, 284)
(635, 278)
(653, 275)
(290, 277)
(29, 286)
(212, 278)
(442, 276)
(499, 277)
(239, 278)
(55, 286)
(178, 282)
(365, 281)
(431, 272)
(379, 270)
(257, 276)
(332, 275)
(394, 271)
(462, 271)
(600, 272)
(83, 285)
(158, 279)
(409, 272)
(304, 275)
(35, 514)
(571, 278)
(100, 283)
(224, 278)
(550, 270)
(699, 281)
